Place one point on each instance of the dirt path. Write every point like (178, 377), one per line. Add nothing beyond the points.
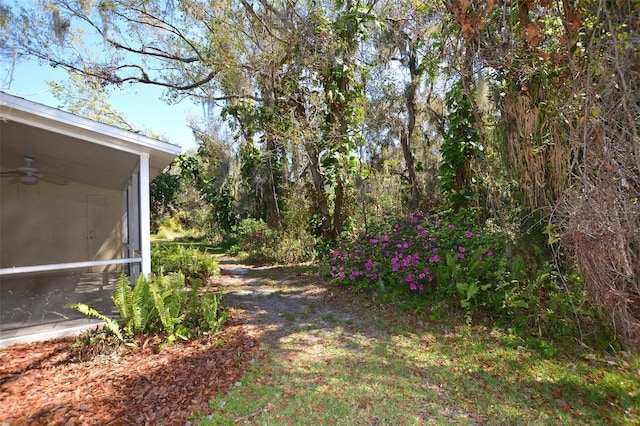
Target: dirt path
(331, 356)
(276, 303)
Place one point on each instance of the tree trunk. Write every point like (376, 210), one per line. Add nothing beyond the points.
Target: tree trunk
(406, 136)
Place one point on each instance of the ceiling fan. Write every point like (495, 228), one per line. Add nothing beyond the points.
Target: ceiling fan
(29, 175)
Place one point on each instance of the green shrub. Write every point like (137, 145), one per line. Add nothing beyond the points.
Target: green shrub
(255, 235)
(257, 242)
(451, 259)
(191, 262)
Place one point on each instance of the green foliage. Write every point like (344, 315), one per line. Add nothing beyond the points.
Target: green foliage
(449, 258)
(223, 209)
(110, 325)
(134, 305)
(256, 241)
(163, 195)
(169, 297)
(162, 305)
(205, 309)
(189, 261)
(254, 236)
(460, 147)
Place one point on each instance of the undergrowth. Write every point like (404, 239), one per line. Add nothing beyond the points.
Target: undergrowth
(448, 260)
(254, 241)
(190, 261)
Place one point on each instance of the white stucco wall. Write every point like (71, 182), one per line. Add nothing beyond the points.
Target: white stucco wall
(48, 224)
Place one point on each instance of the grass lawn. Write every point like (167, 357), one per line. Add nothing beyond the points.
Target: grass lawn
(396, 368)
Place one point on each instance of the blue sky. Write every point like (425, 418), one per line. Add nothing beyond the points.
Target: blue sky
(140, 104)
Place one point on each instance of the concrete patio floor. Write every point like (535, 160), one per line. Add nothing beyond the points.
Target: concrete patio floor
(32, 305)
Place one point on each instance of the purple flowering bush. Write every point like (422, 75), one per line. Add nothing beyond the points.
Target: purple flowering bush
(437, 256)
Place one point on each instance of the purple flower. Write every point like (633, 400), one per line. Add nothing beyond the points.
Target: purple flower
(355, 274)
(461, 255)
(434, 259)
(368, 264)
(461, 249)
(413, 286)
(425, 275)
(437, 224)
(469, 234)
(452, 227)
(408, 278)
(489, 253)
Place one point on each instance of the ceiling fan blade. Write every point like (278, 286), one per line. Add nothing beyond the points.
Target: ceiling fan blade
(10, 173)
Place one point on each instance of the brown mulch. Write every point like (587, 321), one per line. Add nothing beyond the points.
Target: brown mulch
(45, 383)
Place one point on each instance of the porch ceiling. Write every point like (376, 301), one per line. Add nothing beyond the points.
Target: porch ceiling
(66, 156)
(73, 147)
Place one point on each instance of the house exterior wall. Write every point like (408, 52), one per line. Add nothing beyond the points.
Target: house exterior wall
(49, 224)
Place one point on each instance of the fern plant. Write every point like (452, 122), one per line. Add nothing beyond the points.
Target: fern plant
(211, 311)
(109, 324)
(134, 305)
(162, 304)
(169, 301)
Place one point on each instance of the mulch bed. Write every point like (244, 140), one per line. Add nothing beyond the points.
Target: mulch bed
(45, 383)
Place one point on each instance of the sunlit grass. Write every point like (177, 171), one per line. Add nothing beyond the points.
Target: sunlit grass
(427, 378)
(399, 368)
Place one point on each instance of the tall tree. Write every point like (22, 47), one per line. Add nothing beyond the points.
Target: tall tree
(408, 41)
(567, 88)
(87, 97)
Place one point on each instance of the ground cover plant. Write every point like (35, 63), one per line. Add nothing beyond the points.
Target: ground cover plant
(162, 305)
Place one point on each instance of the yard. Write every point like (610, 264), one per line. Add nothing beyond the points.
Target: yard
(297, 350)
